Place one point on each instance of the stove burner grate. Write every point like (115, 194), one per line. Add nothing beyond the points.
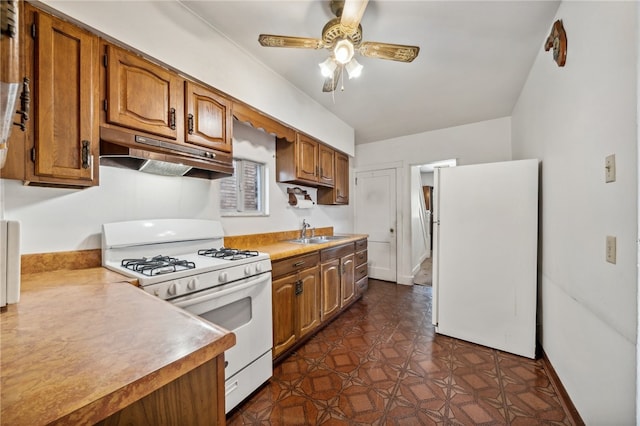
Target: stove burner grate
(157, 265)
(228, 253)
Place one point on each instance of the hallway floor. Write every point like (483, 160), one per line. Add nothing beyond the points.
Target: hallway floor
(382, 363)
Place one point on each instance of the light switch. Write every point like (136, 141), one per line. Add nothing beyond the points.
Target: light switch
(610, 168)
(611, 249)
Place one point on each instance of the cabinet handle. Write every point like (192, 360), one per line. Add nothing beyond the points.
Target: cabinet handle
(85, 154)
(172, 118)
(302, 262)
(25, 105)
(298, 287)
(316, 171)
(190, 123)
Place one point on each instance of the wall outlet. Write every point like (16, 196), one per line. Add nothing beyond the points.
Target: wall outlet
(610, 168)
(611, 249)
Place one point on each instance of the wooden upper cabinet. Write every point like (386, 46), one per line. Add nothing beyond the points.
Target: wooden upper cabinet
(342, 179)
(65, 71)
(339, 194)
(306, 159)
(142, 95)
(326, 159)
(208, 118)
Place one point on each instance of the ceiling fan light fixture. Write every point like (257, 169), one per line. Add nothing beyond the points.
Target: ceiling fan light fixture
(327, 67)
(354, 68)
(343, 52)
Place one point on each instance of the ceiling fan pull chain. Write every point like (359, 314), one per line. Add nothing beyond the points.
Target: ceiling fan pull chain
(342, 78)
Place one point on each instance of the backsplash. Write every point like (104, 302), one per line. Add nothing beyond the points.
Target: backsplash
(55, 219)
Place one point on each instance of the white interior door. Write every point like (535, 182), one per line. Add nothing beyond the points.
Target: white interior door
(485, 254)
(376, 216)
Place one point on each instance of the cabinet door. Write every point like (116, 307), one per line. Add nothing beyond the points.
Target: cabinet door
(284, 332)
(347, 281)
(207, 118)
(330, 277)
(306, 158)
(66, 94)
(141, 95)
(326, 160)
(342, 179)
(308, 302)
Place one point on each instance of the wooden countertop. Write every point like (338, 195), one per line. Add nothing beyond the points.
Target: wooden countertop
(282, 249)
(76, 353)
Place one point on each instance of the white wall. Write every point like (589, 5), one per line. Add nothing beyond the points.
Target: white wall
(56, 219)
(168, 32)
(426, 179)
(571, 118)
(483, 142)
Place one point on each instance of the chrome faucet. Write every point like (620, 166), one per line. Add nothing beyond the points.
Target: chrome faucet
(303, 231)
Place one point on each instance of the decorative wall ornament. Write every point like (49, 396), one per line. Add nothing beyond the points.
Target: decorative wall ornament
(558, 41)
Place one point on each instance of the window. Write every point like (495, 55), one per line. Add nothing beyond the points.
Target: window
(244, 193)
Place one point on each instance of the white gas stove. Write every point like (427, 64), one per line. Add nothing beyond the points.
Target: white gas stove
(183, 261)
(175, 257)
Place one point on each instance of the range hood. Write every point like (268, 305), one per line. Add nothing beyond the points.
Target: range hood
(122, 149)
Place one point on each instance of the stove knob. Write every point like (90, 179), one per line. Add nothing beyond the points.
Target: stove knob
(222, 277)
(172, 290)
(259, 267)
(191, 285)
(247, 270)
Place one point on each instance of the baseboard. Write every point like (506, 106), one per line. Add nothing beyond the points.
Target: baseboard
(560, 390)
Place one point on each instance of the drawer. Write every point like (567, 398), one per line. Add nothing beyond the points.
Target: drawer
(361, 245)
(362, 285)
(361, 272)
(294, 264)
(336, 252)
(361, 258)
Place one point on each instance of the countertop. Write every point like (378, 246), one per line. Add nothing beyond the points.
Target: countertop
(79, 350)
(84, 343)
(283, 249)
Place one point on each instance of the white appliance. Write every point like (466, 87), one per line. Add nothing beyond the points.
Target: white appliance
(183, 261)
(9, 262)
(485, 254)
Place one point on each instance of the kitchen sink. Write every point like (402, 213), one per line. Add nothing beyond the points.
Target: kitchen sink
(318, 240)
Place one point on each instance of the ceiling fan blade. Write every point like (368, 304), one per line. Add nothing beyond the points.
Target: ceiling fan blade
(394, 52)
(269, 40)
(331, 82)
(352, 15)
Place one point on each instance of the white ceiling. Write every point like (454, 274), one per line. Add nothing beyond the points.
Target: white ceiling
(474, 57)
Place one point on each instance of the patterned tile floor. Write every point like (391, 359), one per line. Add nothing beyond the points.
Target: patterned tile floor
(381, 363)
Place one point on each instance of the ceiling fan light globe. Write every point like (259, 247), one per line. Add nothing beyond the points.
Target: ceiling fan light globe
(327, 67)
(354, 68)
(343, 52)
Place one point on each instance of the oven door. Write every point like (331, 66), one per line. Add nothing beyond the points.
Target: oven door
(243, 307)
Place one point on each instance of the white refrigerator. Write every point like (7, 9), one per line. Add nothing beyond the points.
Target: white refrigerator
(485, 254)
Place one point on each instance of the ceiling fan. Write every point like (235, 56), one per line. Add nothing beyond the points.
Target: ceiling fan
(343, 36)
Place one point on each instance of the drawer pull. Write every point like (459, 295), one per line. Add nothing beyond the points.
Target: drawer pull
(302, 262)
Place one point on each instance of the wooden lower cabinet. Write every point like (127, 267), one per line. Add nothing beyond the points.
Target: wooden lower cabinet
(309, 290)
(196, 398)
(362, 270)
(347, 280)
(296, 301)
(330, 278)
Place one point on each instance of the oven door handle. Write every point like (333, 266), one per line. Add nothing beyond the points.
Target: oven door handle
(216, 294)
